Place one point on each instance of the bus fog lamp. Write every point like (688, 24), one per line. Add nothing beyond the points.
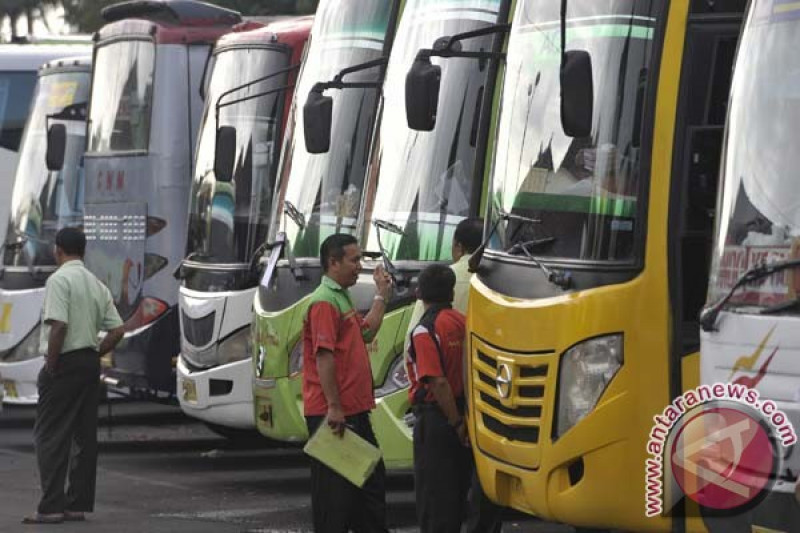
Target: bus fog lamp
(585, 371)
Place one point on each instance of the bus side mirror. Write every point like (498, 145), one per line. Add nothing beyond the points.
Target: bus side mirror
(56, 146)
(422, 94)
(577, 93)
(225, 153)
(317, 120)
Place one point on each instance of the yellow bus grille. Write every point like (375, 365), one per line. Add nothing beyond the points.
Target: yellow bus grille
(517, 415)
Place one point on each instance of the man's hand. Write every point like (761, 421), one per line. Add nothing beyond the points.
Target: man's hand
(383, 282)
(49, 366)
(463, 434)
(336, 420)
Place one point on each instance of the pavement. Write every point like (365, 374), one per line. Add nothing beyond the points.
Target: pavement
(159, 471)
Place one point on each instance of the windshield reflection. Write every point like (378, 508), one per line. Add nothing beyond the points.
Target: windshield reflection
(759, 214)
(227, 221)
(327, 188)
(424, 179)
(44, 201)
(585, 191)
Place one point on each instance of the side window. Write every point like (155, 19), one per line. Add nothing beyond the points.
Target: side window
(16, 91)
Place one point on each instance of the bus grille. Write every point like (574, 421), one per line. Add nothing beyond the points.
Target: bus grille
(518, 417)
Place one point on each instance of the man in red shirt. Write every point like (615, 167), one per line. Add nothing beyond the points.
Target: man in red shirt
(442, 459)
(337, 384)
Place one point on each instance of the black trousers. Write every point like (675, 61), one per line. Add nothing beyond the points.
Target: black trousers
(442, 472)
(65, 432)
(483, 516)
(337, 505)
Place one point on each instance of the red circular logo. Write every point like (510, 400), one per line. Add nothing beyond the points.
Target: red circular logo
(722, 458)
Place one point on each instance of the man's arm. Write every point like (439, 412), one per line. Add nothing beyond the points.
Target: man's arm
(383, 286)
(55, 343)
(111, 339)
(443, 394)
(326, 368)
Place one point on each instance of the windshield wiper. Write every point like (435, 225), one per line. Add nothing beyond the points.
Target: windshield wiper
(295, 214)
(780, 307)
(558, 278)
(477, 255)
(387, 263)
(708, 316)
(299, 219)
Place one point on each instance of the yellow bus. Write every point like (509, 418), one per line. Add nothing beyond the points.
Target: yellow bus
(582, 314)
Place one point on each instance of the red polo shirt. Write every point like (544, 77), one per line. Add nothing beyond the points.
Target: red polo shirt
(333, 324)
(450, 330)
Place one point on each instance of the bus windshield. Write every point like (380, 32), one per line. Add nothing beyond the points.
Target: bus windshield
(327, 188)
(584, 191)
(45, 201)
(228, 220)
(758, 219)
(424, 179)
(122, 94)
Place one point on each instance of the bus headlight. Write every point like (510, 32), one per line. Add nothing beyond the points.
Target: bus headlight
(584, 373)
(26, 350)
(236, 347)
(396, 378)
(296, 359)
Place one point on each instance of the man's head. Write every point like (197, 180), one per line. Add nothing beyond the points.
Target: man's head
(70, 244)
(436, 284)
(340, 257)
(467, 237)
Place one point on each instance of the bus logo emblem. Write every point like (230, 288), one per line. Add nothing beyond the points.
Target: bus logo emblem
(503, 381)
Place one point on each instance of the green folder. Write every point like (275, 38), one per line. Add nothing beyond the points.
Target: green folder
(350, 456)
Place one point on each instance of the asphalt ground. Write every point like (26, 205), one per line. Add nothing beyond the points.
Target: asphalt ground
(159, 471)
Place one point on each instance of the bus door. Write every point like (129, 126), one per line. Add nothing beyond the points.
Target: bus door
(702, 108)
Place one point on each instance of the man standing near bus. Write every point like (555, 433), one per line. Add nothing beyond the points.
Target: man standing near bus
(77, 306)
(337, 385)
(483, 515)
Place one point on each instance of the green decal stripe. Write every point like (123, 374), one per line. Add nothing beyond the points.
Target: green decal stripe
(595, 205)
(591, 31)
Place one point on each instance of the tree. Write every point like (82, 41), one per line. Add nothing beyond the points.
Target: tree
(30, 9)
(85, 14)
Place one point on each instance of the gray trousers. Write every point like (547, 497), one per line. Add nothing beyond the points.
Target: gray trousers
(65, 433)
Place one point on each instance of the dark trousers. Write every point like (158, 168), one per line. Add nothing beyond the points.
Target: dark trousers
(65, 433)
(442, 472)
(336, 504)
(484, 516)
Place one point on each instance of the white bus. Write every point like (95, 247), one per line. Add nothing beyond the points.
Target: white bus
(45, 199)
(751, 324)
(19, 64)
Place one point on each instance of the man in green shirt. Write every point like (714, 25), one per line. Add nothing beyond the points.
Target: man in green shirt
(77, 306)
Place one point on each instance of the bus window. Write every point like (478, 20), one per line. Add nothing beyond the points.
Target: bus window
(16, 89)
(122, 97)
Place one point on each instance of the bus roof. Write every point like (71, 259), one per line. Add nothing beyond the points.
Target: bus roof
(167, 21)
(292, 32)
(31, 57)
(78, 63)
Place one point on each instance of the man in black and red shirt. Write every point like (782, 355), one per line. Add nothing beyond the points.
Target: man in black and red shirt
(442, 459)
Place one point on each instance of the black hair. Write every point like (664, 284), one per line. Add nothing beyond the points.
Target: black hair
(72, 241)
(333, 248)
(469, 233)
(436, 284)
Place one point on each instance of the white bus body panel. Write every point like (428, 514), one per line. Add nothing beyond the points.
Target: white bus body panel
(24, 310)
(763, 351)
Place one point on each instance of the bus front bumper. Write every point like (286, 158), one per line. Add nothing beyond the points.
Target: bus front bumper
(221, 395)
